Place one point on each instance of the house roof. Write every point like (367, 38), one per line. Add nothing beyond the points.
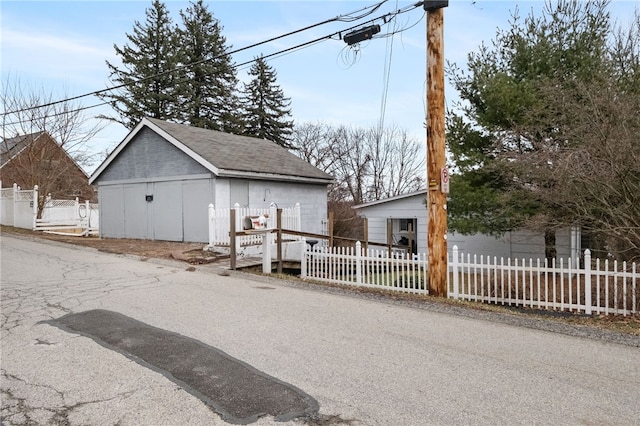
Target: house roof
(226, 154)
(390, 199)
(11, 147)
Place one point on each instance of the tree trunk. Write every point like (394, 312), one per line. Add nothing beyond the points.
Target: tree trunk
(550, 245)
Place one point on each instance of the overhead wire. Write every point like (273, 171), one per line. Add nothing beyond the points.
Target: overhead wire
(340, 18)
(282, 52)
(386, 74)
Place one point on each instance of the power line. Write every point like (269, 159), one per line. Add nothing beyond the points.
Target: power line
(386, 74)
(341, 18)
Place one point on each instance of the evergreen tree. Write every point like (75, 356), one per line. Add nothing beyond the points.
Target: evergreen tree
(148, 59)
(266, 111)
(208, 82)
(504, 144)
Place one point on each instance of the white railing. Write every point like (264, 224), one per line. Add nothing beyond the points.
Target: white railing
(597, 287)
(220, 223)
(373, 268)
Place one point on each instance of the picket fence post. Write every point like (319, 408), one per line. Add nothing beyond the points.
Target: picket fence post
(303, 262)
(35, 206)
(358, 262)
(15, 197)
(238, 226)
(454, 267)
(587, 282)
(273, 215)
(76, 209)
(87, 216)
(212, 225)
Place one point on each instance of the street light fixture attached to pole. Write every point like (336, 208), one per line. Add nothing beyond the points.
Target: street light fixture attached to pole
(437, 174)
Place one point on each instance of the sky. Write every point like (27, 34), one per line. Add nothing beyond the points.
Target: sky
(60, 48)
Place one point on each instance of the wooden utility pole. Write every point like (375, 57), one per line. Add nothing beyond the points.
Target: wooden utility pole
(436, 159)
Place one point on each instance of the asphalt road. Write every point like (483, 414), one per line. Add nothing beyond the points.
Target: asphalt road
(364, 360)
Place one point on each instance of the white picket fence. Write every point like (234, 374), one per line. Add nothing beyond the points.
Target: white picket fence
(598, 287)
(19, 208)
(220, 223)
(371, 268)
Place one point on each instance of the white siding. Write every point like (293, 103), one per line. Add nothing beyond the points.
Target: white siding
(407, 208)
(520, 244)
(312, 199)
(516, 244)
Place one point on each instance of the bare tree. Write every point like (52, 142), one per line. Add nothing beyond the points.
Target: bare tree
(397, 163)
(36, 131)
(596, 181)
(368, 164)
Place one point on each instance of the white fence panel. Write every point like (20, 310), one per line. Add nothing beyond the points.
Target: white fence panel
(373, 268)
(597, 287)
(25, 208)
(60, 210)
(19, 208)
(6, 206)
(60, 215)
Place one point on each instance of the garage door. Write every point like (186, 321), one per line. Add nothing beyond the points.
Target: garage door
(176, 211)
(111, 211)
(167, 211)
(196, 197)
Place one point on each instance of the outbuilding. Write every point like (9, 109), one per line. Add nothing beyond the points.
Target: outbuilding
(159, 181)
(404, 219)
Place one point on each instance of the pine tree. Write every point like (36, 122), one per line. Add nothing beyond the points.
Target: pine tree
(208, 83)
(267, 111)
(148, 60)
(525, 135)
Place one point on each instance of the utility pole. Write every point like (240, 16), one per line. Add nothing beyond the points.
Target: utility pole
(437, 175)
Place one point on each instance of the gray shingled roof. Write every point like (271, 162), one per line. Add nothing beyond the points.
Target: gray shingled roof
(9, 148)
(229, 152)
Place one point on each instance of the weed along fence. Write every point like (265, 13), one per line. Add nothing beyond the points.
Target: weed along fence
(19, 208)
(598, 287)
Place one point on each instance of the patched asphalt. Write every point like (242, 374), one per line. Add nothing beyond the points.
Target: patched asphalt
(238, 392)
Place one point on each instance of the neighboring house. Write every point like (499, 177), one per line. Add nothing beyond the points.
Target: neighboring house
(159, 181)
(408, 217)
(37, 159)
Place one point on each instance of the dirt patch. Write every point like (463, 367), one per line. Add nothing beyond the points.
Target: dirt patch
(142, 248)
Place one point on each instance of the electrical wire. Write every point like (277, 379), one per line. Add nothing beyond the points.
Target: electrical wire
(340, 18)
(282, 52)
(386, 74)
